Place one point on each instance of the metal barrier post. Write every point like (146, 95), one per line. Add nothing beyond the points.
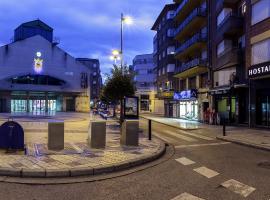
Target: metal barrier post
(150, 129)
(224, 128)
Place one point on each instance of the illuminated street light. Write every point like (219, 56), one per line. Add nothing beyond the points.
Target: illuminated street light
(124, 20)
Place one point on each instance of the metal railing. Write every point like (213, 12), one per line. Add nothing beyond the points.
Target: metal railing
(201, 11)
(181, 5)
(198, 37)
(193, 63)
(230, 15)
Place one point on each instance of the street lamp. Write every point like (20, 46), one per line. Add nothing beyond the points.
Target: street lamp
(124, 20)
(115, 56)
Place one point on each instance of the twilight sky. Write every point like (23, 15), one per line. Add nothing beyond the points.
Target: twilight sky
(87, 28)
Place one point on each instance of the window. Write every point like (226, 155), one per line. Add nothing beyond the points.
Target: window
(204, 55)
(223, 46)
(94, 65)
(223, 15)
(183, 85)
(170, 67)
(192, 83)
(223, 77)
(170, 32)
(163, 54)
(204, 80)
(260, 52)
(260, 11)
(163, 70)
(171, 50)
(170, 14)
(242, 41)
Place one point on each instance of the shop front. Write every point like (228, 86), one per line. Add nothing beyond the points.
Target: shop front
(188, 104)
(259, 79)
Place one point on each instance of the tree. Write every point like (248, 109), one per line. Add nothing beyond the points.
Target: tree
(118, 85)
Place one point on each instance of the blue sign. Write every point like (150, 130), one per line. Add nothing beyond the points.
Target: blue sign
(185, 95)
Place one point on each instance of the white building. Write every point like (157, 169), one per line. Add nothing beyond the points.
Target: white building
(144, 78)
(38, 76)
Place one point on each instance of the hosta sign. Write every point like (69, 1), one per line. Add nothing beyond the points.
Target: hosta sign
(259, 70)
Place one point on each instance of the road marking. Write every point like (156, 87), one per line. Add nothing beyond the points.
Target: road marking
(196, 135)
(186, 196)
(166, 139)
(185, 161)
(238, 187)
(188, 139)
(209, 173)
(201, 145)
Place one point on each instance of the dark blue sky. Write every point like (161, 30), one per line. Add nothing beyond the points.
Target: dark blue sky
(87, 28)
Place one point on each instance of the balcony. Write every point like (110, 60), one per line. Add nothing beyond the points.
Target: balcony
(196, 19)
(191, 68)
(195, 43)
(225, 3)
(185, 7)
(229, 58)
(232, 25)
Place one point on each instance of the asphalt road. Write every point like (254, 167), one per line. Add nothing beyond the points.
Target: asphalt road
(204, 165)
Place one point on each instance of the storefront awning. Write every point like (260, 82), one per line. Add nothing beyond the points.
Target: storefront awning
(223, 90)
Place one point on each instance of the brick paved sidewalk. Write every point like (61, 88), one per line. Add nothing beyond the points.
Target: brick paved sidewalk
(77, 158)
(250, 137)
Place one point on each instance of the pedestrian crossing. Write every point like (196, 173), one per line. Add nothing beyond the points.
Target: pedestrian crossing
(177, 136)
(232, 185)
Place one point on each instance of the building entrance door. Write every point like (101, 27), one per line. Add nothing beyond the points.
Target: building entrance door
(263, 110)
(18, 105)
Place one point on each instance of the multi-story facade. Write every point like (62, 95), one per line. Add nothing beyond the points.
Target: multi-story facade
(229, 86)
(191, 35)
(37, 76)
(164, 49)
(144, 77)
(257, 60)
(223, 45)
(95, 78)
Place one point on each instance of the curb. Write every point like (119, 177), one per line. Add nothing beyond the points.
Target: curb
(240, 142)
(173, 126)
(51, 173)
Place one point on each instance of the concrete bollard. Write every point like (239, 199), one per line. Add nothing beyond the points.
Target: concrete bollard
(56, 135)
(97, 134)
(130, 133)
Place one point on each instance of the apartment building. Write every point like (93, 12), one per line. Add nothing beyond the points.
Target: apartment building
(164, 50)
(143, 67)
(257, 60)
(191, 35)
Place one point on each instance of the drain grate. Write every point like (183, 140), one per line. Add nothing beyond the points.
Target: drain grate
(264, 164)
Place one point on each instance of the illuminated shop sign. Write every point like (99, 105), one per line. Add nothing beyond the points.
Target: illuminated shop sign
(38, 63)
(185, 95)
(259, 70)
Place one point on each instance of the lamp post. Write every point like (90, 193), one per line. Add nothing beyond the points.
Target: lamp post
(124, 20)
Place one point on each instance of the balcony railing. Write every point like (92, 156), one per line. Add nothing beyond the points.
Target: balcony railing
(181, 5)
(193, 63)
(199, 37)
(230, 57)
(231, 24)
(201, 11)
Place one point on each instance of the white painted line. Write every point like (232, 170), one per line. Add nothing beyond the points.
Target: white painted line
(238, 187)
(186, 196)
(196, 135)
(166, 139)
(185, 161)
(209, 173)
(182, 137)
(201, 145)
